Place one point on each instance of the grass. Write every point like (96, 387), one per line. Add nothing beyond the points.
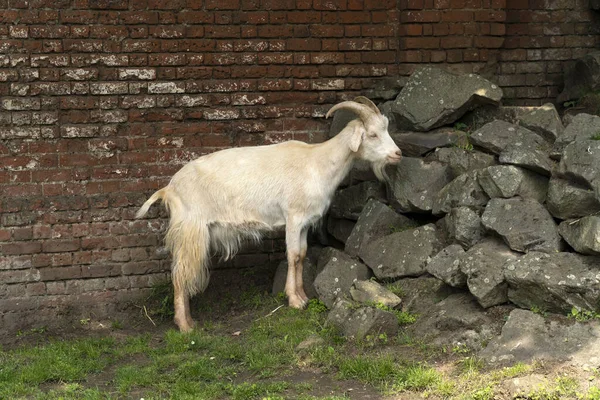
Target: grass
(260, 363)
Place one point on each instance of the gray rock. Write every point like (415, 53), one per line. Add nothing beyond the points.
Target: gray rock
(421, 294)
(483, 266)
(464, 226)
(341, 118)
(582, 234)
(554, 282)
(584, 77)
(403, 253)
(456, 320)
(433, 97)
(462, 161)
(376, 220)
(361, 171)
(349, 202)
(581, 163)
(463, 191)
(534, 159)
(508, 181)
(415, 184)
(528, 337)
(445, 266)
(569, 200)
(386, 88)
(583, 127)
(309, 271)
(544, 121)
(386, 109)
(524, 224)
(337, 275)
(370, 293)
(488, 113)
(340, 228)
(357, 323)
(416, 144)
(496, 136)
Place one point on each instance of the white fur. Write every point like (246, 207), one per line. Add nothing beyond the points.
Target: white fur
(221, 199)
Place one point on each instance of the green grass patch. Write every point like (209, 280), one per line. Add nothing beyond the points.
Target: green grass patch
(210, 363)
(583, 315)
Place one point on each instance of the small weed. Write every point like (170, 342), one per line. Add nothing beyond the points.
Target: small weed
(592, 394)
(395, 288)
(163, 294)
(486, 393)
(316, 306)
(583, 315)
(373, 340)
(397, 229)
(570, 104)
(460, 348)
(471, 365)
(404, 317)
(84, 321)
(539, 311)
(32, 331)
(460, 126)
(116, 324)
(596, 136)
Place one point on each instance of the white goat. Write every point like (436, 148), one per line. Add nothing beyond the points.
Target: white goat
(218, 200)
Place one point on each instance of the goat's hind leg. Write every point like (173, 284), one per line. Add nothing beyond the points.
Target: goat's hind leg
(183, 317)
(188, 244)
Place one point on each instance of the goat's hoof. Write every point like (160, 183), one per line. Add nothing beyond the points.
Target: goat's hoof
(184, 326)
(304, 297)
(297, 302)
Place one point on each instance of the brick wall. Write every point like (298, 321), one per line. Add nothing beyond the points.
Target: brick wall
(523, 45)
(543, 38)
(103, 100)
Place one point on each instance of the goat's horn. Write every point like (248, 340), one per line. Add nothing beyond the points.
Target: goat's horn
(367, 102)
(363, 111)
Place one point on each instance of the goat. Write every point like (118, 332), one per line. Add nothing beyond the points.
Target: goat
(220, 199)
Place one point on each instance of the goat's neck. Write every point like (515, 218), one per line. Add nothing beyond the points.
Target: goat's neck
(338, 157)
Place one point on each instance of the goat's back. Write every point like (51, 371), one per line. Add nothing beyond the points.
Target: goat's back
(238, 185)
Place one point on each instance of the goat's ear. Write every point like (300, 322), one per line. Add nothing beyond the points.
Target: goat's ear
(357, 137)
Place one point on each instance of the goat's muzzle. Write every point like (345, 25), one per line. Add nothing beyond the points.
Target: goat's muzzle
(395, 157)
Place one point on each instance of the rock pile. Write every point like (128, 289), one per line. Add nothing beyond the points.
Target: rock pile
(485, 216)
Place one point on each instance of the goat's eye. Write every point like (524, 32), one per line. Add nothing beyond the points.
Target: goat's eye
(372, 135)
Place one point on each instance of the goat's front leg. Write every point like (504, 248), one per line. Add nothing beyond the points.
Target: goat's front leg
(300, 265)
(293, 240)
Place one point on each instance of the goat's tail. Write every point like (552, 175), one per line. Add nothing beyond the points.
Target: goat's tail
(159, 194)
(189, 243)
(188, 240)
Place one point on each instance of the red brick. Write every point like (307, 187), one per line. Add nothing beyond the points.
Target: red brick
(420, 16)
(456, 42)
(421, 43)
(21, 248)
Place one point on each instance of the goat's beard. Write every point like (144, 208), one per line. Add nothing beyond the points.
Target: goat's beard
(379, 170)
